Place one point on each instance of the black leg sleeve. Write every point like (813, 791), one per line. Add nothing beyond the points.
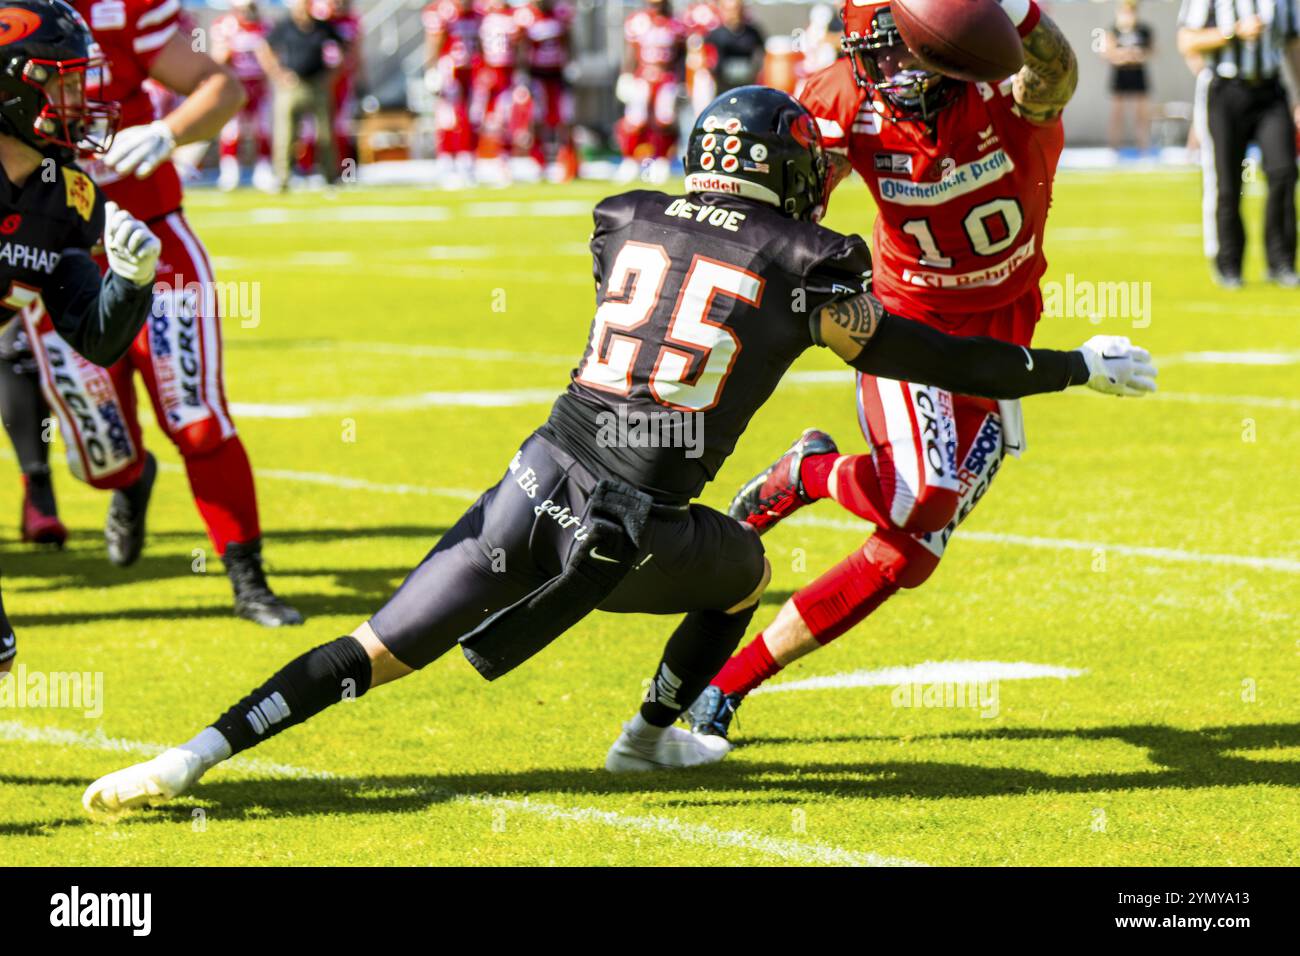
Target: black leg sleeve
(694, 654)
(339, 670)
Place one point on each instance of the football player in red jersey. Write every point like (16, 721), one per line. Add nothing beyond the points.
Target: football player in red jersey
(500, 107)
(236, 37)
(700, 19)
(546, 26)
(651, 81)
(179, 353)
(451, 32)
(962, 178)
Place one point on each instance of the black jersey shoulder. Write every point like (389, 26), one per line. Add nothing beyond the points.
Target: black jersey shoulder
(61, 200)
(802, 249)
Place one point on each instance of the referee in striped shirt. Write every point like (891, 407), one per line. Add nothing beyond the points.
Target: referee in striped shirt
(1243, 46)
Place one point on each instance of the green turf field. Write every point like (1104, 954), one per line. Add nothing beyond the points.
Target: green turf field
(1149, 546)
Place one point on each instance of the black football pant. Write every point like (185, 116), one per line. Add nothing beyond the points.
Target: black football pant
(517, 536)
(1237, 113)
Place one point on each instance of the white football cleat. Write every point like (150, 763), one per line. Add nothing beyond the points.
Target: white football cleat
(675, 748)
(145, 784)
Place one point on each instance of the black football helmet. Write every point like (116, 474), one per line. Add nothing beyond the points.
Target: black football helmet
(50, 67)
(763, 144)
(882, 61)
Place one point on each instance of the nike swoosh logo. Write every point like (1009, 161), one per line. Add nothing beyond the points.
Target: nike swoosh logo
(9, 641)
(1029, 359)
(600, 557)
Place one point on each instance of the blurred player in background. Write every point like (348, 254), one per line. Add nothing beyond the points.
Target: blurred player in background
(819, 44)
(454, 54)
(961, 174)
(734, 48)
(343, 94)
(547, 26)
(699, 19)
(502, 106)
(236, 38)
(653, 64)
(179, 355)
(1128, 47)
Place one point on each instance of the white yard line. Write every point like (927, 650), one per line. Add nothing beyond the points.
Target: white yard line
(1176, 555)
(931, 672)
(790, 851)
(352, 406)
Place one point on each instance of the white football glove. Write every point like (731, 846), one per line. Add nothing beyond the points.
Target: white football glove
(139, 150)
(1118, 367)
(132, 250)
(433, 80)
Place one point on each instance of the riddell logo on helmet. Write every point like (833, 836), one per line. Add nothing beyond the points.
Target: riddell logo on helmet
(714, 184)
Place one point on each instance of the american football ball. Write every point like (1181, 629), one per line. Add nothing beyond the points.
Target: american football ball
(969, 40)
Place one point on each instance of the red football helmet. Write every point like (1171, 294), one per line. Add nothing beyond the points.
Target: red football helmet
(881, 61)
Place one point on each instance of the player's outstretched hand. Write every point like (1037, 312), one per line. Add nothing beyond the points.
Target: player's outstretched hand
(132, 250)
(139, 150)
(1118, 367)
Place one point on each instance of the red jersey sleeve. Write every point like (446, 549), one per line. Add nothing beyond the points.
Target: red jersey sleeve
(833, 97)
(151, 23)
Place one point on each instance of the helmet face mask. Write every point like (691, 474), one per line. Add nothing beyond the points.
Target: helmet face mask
(761, 144)
(882, 62)
(69, 118)
(51, 77)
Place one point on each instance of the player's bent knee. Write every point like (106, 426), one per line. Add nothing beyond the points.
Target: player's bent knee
(200, 439)
(751, 601)
(384, 667)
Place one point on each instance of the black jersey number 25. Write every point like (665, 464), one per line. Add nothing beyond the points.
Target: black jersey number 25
(635, 290)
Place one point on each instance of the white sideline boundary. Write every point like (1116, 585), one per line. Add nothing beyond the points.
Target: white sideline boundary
(930, 672)
(791, 851)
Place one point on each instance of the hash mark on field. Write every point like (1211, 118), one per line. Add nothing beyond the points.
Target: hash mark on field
(930, 672)
(793, 851)
(1287, 565)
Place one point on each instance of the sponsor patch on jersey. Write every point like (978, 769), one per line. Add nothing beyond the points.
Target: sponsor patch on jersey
(995, 274)
(957, 181)
(81, 192)
(108, 15)
(896, 163)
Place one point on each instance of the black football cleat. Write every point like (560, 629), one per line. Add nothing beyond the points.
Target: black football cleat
(124, 529)
(711, 714)
(778, 492)
(254, 599)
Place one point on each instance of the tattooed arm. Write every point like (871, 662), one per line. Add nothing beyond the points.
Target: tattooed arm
(1047, 80)
(873, 340)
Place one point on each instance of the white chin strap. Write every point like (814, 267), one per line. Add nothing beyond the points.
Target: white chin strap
(730, 186)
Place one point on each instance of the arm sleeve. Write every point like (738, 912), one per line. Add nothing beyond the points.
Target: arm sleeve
(99, 317)
(912, 352)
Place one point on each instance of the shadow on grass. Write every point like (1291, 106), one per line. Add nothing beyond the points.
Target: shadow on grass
(1185, 759)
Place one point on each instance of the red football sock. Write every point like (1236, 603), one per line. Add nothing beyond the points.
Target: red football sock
(753, 665)
(815, 473)
(222, 483)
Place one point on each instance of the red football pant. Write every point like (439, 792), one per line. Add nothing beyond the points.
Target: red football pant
(178, 356)
(456, 133)
(650, 118)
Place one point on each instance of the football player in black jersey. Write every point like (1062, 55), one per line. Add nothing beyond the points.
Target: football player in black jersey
(703, 302)
(51, 215)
